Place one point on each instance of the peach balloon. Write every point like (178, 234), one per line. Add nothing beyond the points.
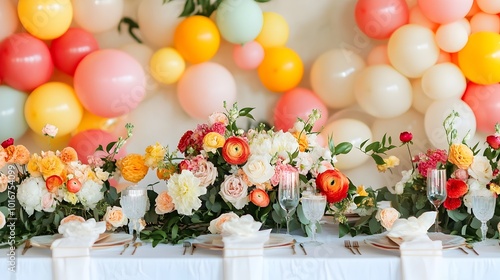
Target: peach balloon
(473, 10)
(416, 17)
(489, 6)
(443, 57)
(445, 11)
(378, 55)
(452, 37)
(9, 18)
(485, 22)
(86, 142)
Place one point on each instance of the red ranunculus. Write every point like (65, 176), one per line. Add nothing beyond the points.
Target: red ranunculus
(185, 141)
(8, 142)
(333, 184)
(235, 150)
(53, 183)
(493, 141)
(452, 203)
(456, 188)
(259, 197)
(405, 137)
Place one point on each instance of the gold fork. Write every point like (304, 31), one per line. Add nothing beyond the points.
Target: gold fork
(355, 244)
(347, 244)
(27, 245)
(136, 245)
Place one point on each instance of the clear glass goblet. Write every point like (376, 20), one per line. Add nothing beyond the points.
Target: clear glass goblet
(134, 202)
(436, 190)
(483, 208)
(313, 207)
(288, 194)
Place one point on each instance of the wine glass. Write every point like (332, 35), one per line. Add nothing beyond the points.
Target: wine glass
(483, 208)
(436, 190)
(134, 202)
(288, 193)
(313, 207)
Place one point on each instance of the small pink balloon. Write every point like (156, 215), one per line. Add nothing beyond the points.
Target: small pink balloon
(86, 142)
(417, 17)
(378, 55)
(109, 83)
(484, 22)
(484, 100)
(248, 56)
(298, 103)
(379, 18)
(445, 11)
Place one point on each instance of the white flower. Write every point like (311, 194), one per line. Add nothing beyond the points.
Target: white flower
(480, 169)
(258, 169)
(407, 176)
(475, 187)
(90, 194)
(234, 190)
(50, 130)
(29, 194)
(283, 144)
(243, 226)
(185, 190)
(304, 162)
(260, 144)
(319, 152)
(298, 126)
(216, 224)
(2, 220)
(101, 175)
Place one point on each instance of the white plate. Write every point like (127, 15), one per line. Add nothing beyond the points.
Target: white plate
(381, 241)
(214, 241)
(105, 240)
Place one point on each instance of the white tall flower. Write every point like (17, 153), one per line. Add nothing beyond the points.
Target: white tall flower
(29, 194)
(90, 194)
(185, 191)
(480, 169)
(258, 169)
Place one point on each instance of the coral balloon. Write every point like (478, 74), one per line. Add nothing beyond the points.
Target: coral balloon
(445, 11)
(109, 83)
(197, 39)
(12, 122)
(281, 69)
(98, 16)
(275, 31)
(479, 60)
(9, 18)
(158, 20)
(167, 65)
(444, 80)
(332, 77)
(69, 49)
(484, 100)
(248, 56)
(203, 89)
(412, 50)
(25, 62)
(86, 142)
(45, 19)
(239, 22)
(298, 103)
(378, 19)
(53, 103)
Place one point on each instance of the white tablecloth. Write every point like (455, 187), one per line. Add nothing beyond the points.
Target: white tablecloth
(329, 261)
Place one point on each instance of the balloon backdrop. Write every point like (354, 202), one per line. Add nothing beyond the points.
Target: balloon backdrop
(485, 22)
(298, 103)
(53, 103)
(25, 62)
(480, 58)
(167, 65)
(453, 36)
(420, 100)
(10, 21)
(197, 39)
(239, 22)
(275, 31)
(90, 121)
(445, 11)
(379, 18)
(204, 87)
(109, 83)
(417, 17)
(443, 80)
(142, 53)
(97, 16)
(86, 142)
(281, 69)
(45, 19)
(484, 100)
(489, 6)
(378, 55)
(12, 122)
(248, 56)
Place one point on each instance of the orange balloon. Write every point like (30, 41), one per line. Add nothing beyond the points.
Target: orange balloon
(281, 69)
(197, 39)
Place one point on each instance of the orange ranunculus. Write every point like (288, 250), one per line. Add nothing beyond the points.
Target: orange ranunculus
(235, 150)
(164, 173)
(460, 155)
(333, 184)
(53, 183)
(133, 167)
(259, 197)
(302, 140)
(68, 155)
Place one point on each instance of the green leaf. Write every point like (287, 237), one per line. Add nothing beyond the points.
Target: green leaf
(378, 159)
(189, 8)
(343, 148)
(374, 225)
(110, 146)
(363, 143)
(343, 229)
(457, 215)
(372, 147)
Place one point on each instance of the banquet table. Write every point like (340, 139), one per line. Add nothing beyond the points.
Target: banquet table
(328, 261)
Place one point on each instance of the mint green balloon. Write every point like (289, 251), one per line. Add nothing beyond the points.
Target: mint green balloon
(12, 121)
(239, 21)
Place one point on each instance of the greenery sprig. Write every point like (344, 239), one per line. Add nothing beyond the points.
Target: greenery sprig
(201, 7)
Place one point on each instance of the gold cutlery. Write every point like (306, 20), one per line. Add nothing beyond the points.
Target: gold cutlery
(355, 244)
(472, 248)
(303, 248)
(27, 245)
(136, 245)
(463, 250)
(194, 247)
(347, 244)
(186, 245)
(293, 246)
(126, 245)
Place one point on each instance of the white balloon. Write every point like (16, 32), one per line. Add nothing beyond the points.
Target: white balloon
(453, 36)
(444, 80)
(489, 6)
(98, 15)
(158, 21)
(142, 53)
(420, 101)
(382, 91)
(437, 112)
(10, 22)
(332, 77)
(348, 130)
(352, 112)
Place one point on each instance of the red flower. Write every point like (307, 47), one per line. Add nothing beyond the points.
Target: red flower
(493, 141)
(185, 141)
(452, 203)
(8, 142)
(456, 188)
(333, 184)
(235, 150)
(405, 137)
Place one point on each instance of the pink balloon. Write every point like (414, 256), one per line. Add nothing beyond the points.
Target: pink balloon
(379, 18)
(86, 142)
(69, 49)
(445, 11)
(378, 55)
(298, 103)
(248, 56)
(484, 100)
(109, 83)
(204, 87)
(25, 62)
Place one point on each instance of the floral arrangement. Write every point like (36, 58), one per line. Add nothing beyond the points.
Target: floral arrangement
(470, 171)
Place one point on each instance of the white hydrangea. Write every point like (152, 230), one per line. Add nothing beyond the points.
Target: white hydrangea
(260, 144)
(304, 162)
(90, 194)
(29, 194)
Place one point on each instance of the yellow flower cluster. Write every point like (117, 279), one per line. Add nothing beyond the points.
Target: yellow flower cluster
(389, 162)
(154, 155)
(302, 139)
(133, 167)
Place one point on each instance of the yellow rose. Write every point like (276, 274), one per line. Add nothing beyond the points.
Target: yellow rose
(133, 167)
(154, 154)
(33, 165)
(212, 141)
(302, 139)
(391, 161)
(361, 191)
(461, 155)
(51, 165)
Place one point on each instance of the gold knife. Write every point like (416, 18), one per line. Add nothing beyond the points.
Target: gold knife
(293, 246)
(27, 245)
(303, 248)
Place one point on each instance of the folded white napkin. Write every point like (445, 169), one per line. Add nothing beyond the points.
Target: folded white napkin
(71, 253)
(411, 228)
(243, 248)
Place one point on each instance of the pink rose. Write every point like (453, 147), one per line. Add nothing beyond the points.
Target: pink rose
(218, 117)
(234, 190)
(2, 220)
(461, 174)
(203, 170)
(387, 217)
(50, 130)
(4, 182)
(48, 202)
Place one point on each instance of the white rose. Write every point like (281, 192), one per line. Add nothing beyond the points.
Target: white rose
(480, 169)
(216, 224)
(260, 144)
(50, 130)
(283, 144)
(2, 220)
(407, 176)
(258, 169)
(234, 190)
(101, 175)
(206, 172)
(29, 194)
(387, 217)
(90, 194)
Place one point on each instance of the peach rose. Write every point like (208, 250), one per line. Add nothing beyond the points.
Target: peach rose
(133, 167)
(461, 155)
(4, 182)
(387, 217)
(218, 117)
(164, 203)
(68, 155)
(212, 141)
(71, 218)
(115, 216)
(3, 156)
(2, 220)
(216, 224)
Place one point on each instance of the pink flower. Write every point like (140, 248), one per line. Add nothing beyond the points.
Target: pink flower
(8, 142)
(278, 169)
(461, 174)
(405, 137)
(50, 130)
(430, 159)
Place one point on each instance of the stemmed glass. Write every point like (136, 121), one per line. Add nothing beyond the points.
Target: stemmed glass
(134, 202)
(483, 208)
(314, 209)
(288, 193)
(436, 190)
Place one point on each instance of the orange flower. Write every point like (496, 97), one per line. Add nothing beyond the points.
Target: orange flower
(235, 150)
(52, 183)
(460, 155)
(333, 184)
(164, 173)
(302, 139)
(259, 197)
(3, 157)
(68, 155)
(133, 167)
(164, 203)
(17, 154)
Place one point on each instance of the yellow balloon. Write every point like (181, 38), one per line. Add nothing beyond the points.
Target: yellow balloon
(167, 65)
(45, 19)
(53, 103)
(91, 121)
(479, 60)
(274, 32)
